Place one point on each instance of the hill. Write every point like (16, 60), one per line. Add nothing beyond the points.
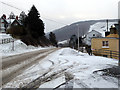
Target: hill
(66, 32)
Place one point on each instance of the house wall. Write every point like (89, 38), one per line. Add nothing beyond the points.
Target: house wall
(113, 45)
(90, 35)
(2, 28)
(97, 43)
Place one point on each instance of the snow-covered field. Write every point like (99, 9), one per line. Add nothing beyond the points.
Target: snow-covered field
(67, 60)
(101, 27)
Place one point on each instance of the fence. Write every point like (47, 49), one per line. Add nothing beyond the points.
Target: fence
(106, 53)
(6, 40)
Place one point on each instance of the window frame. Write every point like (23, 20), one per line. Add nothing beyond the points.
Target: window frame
(105, 44)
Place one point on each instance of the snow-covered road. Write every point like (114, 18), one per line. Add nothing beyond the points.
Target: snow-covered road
(14, 65)
(50, 72)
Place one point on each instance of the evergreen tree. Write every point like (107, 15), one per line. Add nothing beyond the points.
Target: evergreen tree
(52, 38)
(22, 17)
(73, 41)
(34, 24)
(80, 41)
(12, 15)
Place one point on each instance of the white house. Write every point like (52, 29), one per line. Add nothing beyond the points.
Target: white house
(90, 35)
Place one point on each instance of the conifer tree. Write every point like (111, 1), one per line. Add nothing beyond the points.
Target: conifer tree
(52, 38)
(34, 24)
(22, 17)
(12, 15)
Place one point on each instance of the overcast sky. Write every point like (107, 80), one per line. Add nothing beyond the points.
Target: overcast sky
(64, 11)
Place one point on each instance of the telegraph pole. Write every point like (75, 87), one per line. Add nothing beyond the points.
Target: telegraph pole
(119, 43)
(78, 36)
(119, 52)
(119, 30)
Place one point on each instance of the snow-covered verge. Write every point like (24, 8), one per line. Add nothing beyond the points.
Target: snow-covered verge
(18, 48)
(4, 36)
(80, 65)
(101, 27)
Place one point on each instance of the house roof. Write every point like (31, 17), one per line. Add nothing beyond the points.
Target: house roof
(10, 20)
(105, 38)
(93, 31)
(113, 35)
(16, 21)
(4, 19)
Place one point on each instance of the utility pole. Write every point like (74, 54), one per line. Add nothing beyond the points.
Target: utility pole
(119, 53)
(119, 42)
(78, 37)
(119, 30)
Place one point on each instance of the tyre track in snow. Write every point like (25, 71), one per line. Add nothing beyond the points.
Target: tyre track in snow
(16, 59)
(81, 83)
(35, 57)
(46, 77)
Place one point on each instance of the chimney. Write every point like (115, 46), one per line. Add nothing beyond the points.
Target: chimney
(16, 17)
(107, 24)
(107, 32)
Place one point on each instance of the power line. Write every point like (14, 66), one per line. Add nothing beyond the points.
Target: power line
(23, 10)
(54, 21)
(11, 6)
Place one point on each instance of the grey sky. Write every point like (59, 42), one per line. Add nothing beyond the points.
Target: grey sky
(65, 11)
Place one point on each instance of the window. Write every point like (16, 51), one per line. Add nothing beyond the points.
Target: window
(105, 44)
(15, 24)
(105, 56)
(93, 34)
(2, 24)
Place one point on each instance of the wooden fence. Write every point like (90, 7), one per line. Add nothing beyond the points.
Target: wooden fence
(6, 40)
(106, 53)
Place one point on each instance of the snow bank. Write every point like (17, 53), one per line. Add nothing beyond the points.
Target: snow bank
(68, 51)
(19, 47)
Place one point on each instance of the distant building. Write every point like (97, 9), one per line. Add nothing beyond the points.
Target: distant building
(6, 23)
(3, 24)
(90, 35)
(107, 46)
(15, 23)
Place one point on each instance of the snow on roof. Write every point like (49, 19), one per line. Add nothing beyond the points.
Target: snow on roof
(101, 27)
(10, 20)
